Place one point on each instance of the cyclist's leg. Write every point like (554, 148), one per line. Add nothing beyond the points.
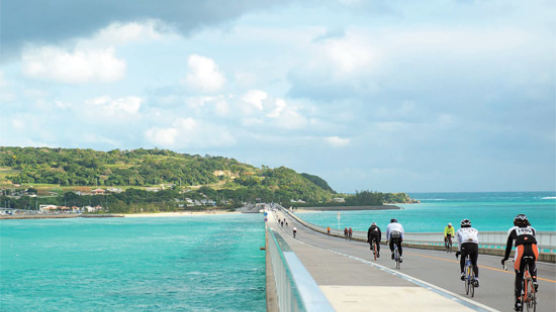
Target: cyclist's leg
(463, 255)
(474, 253)
(399, 243)
(518, 266)
(377, 246)
(533, 264)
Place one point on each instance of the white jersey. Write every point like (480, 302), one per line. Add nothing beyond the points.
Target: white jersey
(394, 227)
(467, 235)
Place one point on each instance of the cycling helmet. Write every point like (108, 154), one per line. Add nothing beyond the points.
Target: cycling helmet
(465, 223)
(449, 223)
(393, 220)
(521, 220)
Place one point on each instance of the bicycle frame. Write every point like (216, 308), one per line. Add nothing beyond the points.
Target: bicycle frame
(469, 277)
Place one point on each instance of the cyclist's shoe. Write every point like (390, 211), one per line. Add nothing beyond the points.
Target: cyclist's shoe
(462, 276)
(517, 305)
(378, 255)
(401, 260)
(392, 256)
(536, 286)
(476, 282)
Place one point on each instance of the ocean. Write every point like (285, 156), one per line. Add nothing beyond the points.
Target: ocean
(193, 263)
(199, 263)
(487, 212)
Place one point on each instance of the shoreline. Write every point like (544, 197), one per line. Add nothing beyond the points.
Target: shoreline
(122, 215)
(346, 208)
(178, 214)
(58, 216)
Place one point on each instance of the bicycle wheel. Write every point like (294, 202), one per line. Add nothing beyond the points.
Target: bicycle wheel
(531, 296)
(397, 257)
(467, 281)
(472, 281)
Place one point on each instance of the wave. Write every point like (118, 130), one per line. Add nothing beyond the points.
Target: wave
(549, 197)
(431, 199)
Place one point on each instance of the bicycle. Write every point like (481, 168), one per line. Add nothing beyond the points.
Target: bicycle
(448, 243)
(469, 277)
(528, 292)
(374, 248)
(397, 256)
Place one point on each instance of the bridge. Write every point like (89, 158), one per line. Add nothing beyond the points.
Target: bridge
(317, 271)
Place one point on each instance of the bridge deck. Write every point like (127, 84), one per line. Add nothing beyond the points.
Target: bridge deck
(428, 280)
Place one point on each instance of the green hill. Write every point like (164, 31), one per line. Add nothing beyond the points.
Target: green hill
(157, 180)
(146, 168)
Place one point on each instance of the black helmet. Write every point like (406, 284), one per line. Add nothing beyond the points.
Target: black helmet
(521, 220)
(465, 223)
(393, 220)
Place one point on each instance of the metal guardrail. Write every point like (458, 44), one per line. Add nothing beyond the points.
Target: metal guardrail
(295, 287)
(488, 240)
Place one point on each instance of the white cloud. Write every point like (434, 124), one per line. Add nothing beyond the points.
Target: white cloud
(118, 33)
(77, 66)
(350, 54)
(162, 137)
(90, 59)
(119, 107)
(189, 132)
(253, 99)
(203, 74)
(336, 141)
(216, 104)
(286, 116)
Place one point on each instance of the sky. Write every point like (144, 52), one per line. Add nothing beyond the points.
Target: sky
(393, 96)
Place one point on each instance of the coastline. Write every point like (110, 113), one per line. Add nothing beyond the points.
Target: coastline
(178, 214)
(58, 216)
(122, 215)
(346, 208)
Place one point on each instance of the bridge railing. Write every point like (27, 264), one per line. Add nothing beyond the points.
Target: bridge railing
(296, 290)
(490, 242)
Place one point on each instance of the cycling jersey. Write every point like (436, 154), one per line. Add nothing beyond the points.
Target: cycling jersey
(449, 231)
(526, 252)
(525, 243)
(394, 230)
(467, 235)
(374, 233)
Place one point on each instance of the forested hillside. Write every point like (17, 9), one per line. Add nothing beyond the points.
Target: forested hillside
(157, 180)
(144, 168)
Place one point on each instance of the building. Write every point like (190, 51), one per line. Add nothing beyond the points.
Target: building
(98, 192)
(47, 208)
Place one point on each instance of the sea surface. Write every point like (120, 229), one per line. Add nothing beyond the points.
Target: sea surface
(487, 212)
(192, 263)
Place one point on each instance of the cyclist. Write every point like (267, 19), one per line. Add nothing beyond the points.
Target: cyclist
(468, 242)
(526, 246)
(449, 232)
(294, 231)
(373, 236)
(394, 234)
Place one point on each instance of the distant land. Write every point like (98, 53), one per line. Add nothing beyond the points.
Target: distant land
(154, 180)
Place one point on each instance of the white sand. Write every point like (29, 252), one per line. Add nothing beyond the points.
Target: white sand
(178, 214)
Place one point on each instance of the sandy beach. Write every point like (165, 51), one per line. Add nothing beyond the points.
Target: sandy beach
(346, 208)
(179, 214)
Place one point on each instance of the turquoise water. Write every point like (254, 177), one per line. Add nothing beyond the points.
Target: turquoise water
(193, 263)
(487, 212)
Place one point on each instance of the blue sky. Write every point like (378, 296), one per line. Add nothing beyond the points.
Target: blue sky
(380, 95)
